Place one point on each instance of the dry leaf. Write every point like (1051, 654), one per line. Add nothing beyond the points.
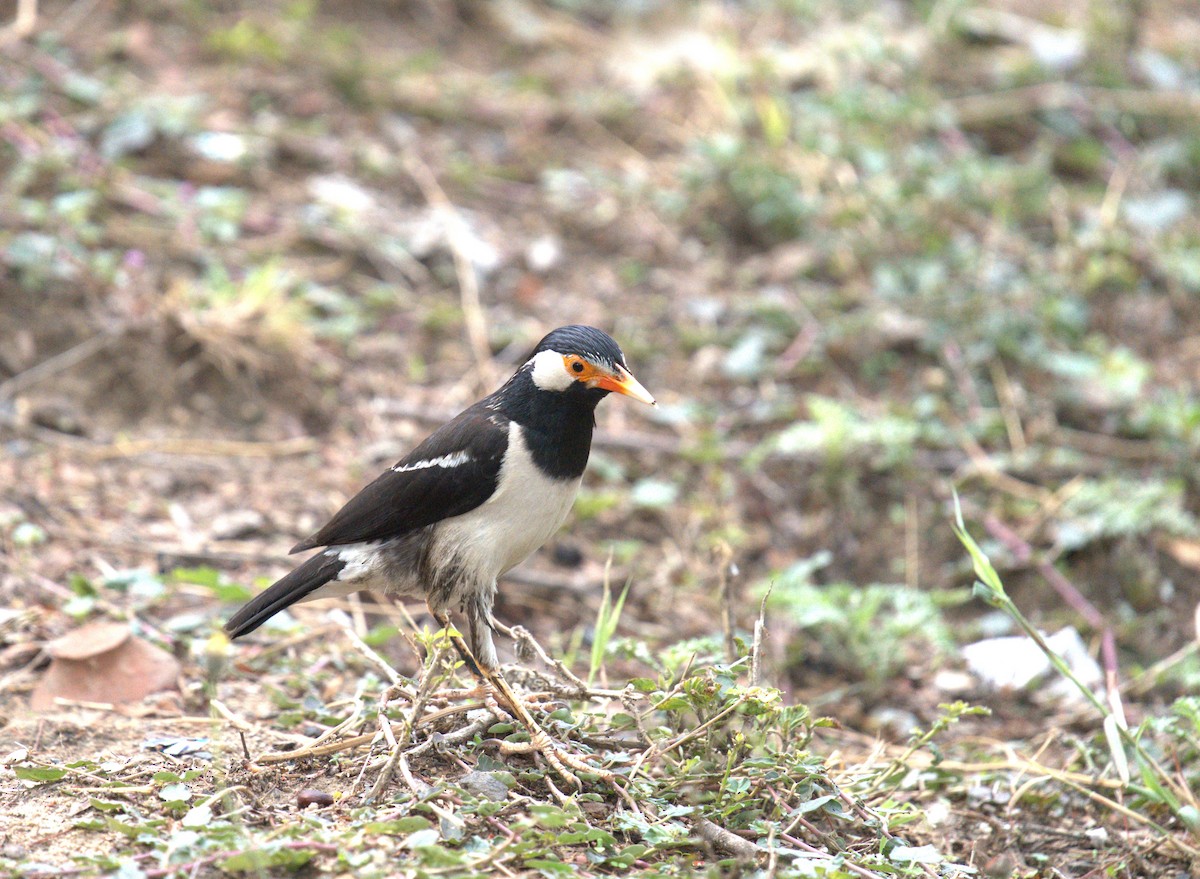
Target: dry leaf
(103, 662)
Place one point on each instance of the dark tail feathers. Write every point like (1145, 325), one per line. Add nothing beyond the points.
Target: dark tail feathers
(296, 586)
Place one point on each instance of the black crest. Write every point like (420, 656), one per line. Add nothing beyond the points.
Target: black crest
(588, 342)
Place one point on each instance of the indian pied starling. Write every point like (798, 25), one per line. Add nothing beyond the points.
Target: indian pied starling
(472, 501)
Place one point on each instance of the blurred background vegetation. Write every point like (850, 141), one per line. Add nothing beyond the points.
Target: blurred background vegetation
(865, 254)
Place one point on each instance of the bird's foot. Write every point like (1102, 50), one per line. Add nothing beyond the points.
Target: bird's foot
(568, 764)
(486, 691)
(562, 760)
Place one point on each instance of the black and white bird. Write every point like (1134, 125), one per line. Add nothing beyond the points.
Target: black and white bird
(472, 501)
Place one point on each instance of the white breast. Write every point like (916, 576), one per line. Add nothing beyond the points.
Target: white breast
(526, 509)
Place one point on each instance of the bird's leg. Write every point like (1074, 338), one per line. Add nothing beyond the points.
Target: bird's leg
(524, 640)
(562, 761)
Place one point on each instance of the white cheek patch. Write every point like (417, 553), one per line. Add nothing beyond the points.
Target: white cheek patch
(550, 372)
(454, 459)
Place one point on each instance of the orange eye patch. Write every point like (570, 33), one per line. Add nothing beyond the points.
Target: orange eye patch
(579, 368)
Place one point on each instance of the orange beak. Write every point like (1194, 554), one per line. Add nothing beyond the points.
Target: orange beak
(621, 381)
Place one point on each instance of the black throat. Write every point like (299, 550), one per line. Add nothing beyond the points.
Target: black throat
(557, 424)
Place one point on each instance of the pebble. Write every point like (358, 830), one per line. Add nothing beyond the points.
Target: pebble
(566, 555)
(311, 796)
(484, 784)
(543, 254)
(237, 524)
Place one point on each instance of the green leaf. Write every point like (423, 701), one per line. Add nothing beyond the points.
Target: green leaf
(550, 817)
(398, 826)
(814, 804)
(129, 132)
(203, 576)
(423, 838)
(175, 793)
(380, 635)
(673, 703)
(136, 581)
(1190, 816)
(552, 869)
(232, 593)
(260, 860)
(80, 585)
(1149, 776)
(198, 816)
(666, 833)
(39, 773)
(607, 618)
(210, 578)
(79, 606)
(133, 831)
(983, 565)
(590, 835)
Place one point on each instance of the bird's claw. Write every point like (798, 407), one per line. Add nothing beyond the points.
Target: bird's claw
(565, 763)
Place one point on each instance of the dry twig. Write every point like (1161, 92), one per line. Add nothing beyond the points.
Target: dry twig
(723, 839)
(61, 361)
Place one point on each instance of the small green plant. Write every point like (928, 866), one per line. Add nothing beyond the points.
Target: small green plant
(1119, 506)
(951, 713)
(747, 190)
(607, 618)
(1155, 787)
(242, 324)
(839, 431)
(870, 631)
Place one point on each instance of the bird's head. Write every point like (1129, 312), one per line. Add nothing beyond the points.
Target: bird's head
(583, 361)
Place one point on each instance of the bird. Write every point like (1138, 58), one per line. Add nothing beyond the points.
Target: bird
(473, 500)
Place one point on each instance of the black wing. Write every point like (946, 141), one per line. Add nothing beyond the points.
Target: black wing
(462, 466)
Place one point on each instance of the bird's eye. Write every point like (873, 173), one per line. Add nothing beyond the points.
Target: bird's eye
(577, 366)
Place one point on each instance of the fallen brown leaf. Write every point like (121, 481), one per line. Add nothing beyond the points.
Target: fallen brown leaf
(103, 662)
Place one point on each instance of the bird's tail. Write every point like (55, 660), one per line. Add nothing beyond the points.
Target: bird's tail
(299, 585)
